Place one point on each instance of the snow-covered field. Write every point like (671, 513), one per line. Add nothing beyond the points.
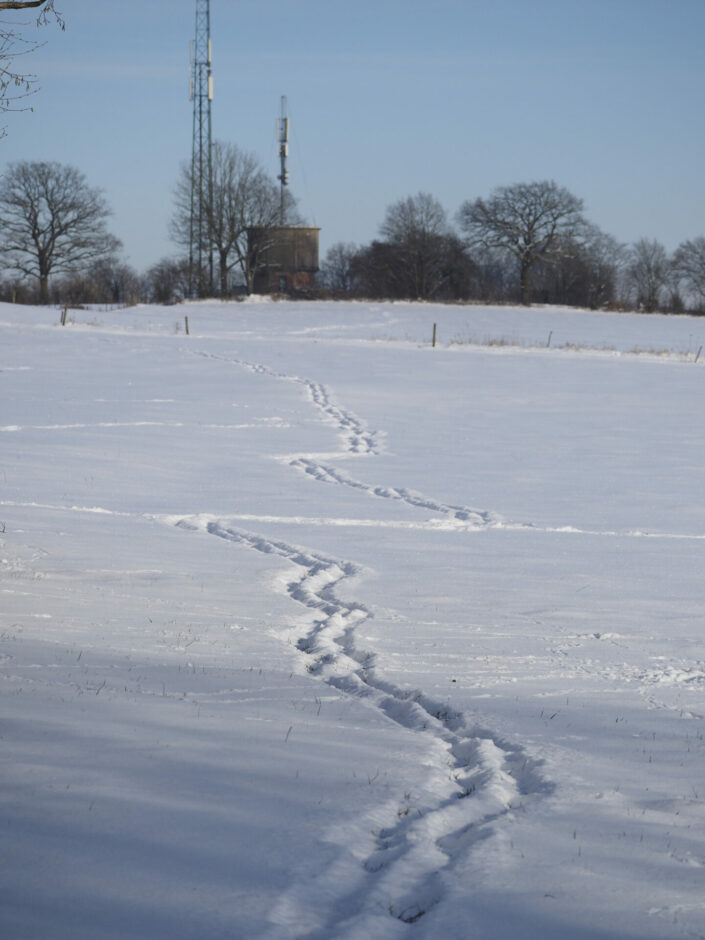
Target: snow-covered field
(310, 630)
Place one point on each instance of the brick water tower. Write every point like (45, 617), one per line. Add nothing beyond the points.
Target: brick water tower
(286, 258)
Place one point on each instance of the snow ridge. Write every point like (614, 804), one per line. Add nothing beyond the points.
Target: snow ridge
(392, 861)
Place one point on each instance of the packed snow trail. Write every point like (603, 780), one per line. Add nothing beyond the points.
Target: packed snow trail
(327, 474)
(357, 440)
(392, 860)
(396, 867)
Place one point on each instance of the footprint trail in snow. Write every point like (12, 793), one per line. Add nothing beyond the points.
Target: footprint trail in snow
(327, 474)
(358, 440)
(395, 869)
(392, 862)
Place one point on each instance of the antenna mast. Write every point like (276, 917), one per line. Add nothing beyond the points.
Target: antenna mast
(283, 137)
(200, 245)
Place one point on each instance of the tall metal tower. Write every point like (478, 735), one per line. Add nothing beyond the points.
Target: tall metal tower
(201, 249)
(283, 137)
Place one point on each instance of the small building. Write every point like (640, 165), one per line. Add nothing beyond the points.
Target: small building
(283, 259)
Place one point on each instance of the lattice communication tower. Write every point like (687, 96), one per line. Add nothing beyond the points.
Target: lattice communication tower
(200, 245)
(283, 137)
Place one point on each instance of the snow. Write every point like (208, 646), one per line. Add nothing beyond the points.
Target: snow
(310, 630)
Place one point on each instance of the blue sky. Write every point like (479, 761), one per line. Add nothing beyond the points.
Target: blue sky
(387, 98)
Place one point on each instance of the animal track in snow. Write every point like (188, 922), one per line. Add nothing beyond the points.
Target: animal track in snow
(398, 866)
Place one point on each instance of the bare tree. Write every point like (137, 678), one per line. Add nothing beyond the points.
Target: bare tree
(337, 270)
(106, 281)
(417, 228)
(689, 267)
(413, 219)
(648, 274)
(604, 259)
(167, 281)
(581, 274)
(52, 221)
(372, 270)
(243, 197)
(532, 221)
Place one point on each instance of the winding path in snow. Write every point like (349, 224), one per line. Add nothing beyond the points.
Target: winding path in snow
(478, 778)
(357, 439)
(481, 778)
(392, 861)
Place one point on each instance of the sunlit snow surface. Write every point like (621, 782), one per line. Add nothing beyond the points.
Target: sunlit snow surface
(310, 630)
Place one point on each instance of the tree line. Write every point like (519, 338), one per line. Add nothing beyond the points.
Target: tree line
(56, 247)
(527, 243)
